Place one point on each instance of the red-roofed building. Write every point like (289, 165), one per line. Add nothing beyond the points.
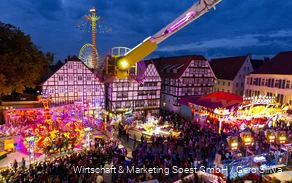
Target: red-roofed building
(230, 73)
(273, 78)
(183, 76)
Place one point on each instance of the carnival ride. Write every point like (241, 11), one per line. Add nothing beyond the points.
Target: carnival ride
(52, 135)
(136, 71)
(88, 53)
(123, 64)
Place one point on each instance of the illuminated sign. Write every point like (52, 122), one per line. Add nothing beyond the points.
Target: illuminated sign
(261, 101)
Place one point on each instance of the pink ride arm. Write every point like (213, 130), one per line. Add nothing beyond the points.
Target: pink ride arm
(197, 10)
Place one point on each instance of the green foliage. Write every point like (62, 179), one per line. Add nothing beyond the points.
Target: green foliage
(22, 63)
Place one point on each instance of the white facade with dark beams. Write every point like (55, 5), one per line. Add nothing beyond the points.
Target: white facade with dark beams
(183, 76)
(74, 81)
(126, 94)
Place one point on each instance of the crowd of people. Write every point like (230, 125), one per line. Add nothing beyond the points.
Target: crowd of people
(196, 146)
(63, 168)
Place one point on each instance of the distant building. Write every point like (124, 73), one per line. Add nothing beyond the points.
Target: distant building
(272, 79)
(73, 82)
(183, 76)
(128, 94)
(230, 73)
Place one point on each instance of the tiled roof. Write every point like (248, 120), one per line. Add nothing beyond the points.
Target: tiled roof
(74, 58)
(280, 64)
(167, 66)
(227, 68)
(256, 63)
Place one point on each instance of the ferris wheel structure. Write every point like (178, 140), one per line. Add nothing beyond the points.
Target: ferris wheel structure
(86, 56)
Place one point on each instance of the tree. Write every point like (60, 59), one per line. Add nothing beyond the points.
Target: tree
(22, 63)
(56, 66)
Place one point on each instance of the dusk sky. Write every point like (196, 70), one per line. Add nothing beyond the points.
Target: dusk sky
(237, 27)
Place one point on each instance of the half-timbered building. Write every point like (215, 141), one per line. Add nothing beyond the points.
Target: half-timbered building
(142, 94)
(183, 76)
(74, 81)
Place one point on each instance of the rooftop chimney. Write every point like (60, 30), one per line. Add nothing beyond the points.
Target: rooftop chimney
(250, 55)
(266, 59)
(68, 58)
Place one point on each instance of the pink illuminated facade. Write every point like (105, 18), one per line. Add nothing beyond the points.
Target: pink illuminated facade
(74, 81)
(183, 76)
(128, 94)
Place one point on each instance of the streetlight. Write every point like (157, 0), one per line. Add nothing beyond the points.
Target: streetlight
(281, 137)
(233, 143)
(246, 139)
(270, 135)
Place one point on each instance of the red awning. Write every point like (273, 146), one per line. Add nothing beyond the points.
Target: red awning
(214, 100)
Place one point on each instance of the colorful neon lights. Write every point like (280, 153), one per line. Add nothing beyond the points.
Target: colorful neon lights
(181, 22)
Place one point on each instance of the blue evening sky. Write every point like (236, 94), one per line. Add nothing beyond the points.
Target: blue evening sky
(237, 27)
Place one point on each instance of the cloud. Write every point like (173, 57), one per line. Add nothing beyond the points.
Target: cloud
(236, 27)
(249, 40)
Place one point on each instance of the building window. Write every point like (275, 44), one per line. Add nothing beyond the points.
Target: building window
(263, 82)
(254, 81)
(79, 66)
(247, 68)
(288, 84)
(71, 78)
(277, 83)
(228, 91)
(237, 84)
(239, 75)
(61, 89)
(118, 105)
(89, 89)
(61, 78)
(223, 83)
(244, 68)
(79, 78)
(223, 90)
(247, 81)
(218, 82)
(71, 89)
(228, 83)
(242, 84)
(79, 88)
(70, 66)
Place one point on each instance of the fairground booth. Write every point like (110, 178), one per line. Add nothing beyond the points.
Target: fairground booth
(216, 107)
(228, 110)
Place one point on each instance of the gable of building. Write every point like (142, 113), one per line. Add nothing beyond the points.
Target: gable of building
(227, 68)
(174, 67)
(67, 69)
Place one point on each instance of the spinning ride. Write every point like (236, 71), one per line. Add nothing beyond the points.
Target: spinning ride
(123, 64)
(136, 71)
(52, 136)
